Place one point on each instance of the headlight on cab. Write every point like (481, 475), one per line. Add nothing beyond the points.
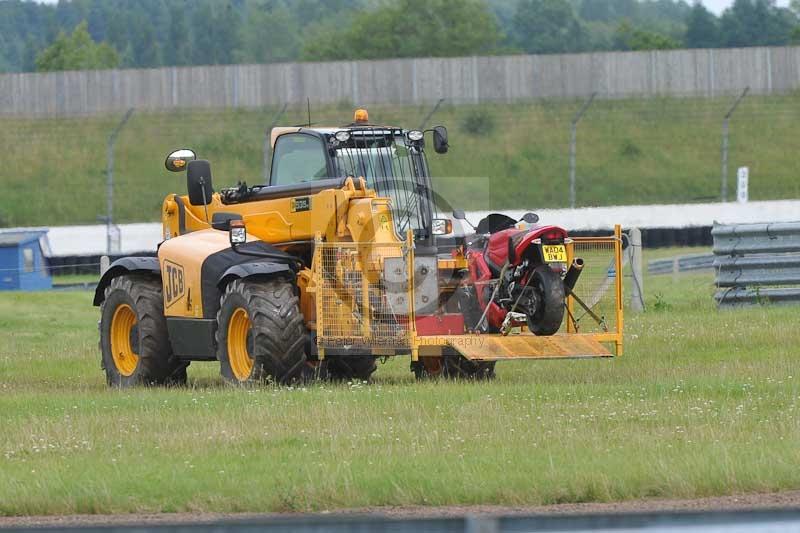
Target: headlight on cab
(237, 233)
(441, 226)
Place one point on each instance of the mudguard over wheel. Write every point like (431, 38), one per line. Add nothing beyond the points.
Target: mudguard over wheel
(549, 314)
(261, 334)
(133, 334)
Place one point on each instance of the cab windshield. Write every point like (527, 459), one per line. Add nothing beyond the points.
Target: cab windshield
(394, 167)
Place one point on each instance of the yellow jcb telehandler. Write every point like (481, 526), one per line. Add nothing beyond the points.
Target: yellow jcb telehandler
(345, 257)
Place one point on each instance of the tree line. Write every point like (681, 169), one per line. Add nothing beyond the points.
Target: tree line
(90, 34)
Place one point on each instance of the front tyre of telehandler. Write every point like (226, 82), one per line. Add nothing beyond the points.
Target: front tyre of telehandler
(133, 335)
(261, 334)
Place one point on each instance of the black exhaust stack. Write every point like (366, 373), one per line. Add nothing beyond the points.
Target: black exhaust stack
(574, 272)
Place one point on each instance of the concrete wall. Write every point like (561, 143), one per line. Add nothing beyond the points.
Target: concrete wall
(459, 80)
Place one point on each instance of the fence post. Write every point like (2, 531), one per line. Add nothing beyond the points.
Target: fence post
(430, 114)
(725, 135)
(635, 246)
(105, 262)
(573, 140)
(267, 151)
(112, 141)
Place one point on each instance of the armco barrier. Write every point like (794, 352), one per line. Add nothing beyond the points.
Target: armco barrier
(757, 263)
(685, 263)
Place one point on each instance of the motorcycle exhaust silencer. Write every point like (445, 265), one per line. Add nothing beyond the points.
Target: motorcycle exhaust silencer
(572, 275)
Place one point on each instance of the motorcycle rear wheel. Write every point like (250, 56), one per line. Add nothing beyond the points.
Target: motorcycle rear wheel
(549, 313)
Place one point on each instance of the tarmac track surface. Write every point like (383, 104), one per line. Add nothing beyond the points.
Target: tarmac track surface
(779, 500)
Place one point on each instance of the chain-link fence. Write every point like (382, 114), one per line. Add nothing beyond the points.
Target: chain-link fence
(633, 151)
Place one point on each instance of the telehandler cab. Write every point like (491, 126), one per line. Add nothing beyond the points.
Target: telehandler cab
(342, 258)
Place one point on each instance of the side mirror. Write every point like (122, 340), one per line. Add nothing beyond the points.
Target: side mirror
(198, 182)
(459, 214)
(179, 159)
(222, 221)
(530, 218)
(440, 144)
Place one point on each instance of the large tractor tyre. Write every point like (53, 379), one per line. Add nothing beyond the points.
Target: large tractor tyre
(261, 335)
(351, 367)
(549, 314)
(133, 335)
(459, 367)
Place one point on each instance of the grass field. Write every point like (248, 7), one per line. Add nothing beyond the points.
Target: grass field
(629, 152)
(703, 403)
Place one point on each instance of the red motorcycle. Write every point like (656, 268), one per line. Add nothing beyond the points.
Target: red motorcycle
(517, 275)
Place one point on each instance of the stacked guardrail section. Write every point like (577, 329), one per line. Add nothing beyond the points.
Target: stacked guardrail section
(757, 263)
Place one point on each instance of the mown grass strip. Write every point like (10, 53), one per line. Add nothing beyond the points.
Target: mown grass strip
(704, 403)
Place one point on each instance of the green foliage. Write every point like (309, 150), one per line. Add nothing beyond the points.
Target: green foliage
(702, 30)
(629, 149)
(77, 52)
(268, 35)
(478, 121)
(630, 38)
(547, 26)
(660, 304)
(756, 23)
(410, 28)
(152, 33)
(609, 10)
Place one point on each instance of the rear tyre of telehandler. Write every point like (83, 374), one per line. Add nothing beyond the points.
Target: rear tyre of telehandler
(351, 367)
(261, 335)
(133, 335)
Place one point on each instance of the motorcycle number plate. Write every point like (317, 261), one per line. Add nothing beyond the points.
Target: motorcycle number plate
(554, 253)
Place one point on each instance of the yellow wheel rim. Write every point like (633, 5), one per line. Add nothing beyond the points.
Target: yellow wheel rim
(238, 356)
(122, 323)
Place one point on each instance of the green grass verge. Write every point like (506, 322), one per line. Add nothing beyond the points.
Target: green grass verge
(703, 403)
(629, 152)
(64, 279)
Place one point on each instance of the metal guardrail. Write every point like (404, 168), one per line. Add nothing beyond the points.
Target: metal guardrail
(757, 263)
(706, 522)
(683, 263)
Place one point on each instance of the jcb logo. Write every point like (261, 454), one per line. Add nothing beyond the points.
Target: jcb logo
(174, 285)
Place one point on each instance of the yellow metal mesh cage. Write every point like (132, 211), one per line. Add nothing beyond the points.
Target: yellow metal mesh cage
(356, 304)
(597, 286)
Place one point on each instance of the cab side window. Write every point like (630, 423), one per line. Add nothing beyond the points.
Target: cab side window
(298, 158)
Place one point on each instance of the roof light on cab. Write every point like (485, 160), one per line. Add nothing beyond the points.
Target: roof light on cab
(361, 115)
